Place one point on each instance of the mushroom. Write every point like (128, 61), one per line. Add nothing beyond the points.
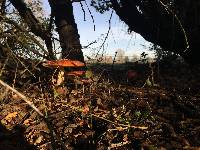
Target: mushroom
(70, 67)
(132, 75)
(63, 63)
(75, 68)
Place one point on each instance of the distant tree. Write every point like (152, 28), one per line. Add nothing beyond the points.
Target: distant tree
(120, 56)
(135, 58)
(108, 59)
(126, 59)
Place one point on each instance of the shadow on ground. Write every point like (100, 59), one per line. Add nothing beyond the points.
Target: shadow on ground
(14, 139)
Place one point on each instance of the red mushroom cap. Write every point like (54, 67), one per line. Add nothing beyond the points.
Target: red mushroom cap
(132, 74)
(63, 63)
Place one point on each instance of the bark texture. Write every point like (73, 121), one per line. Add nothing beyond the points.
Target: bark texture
(67, 29)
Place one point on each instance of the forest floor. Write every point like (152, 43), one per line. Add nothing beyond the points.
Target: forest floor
(109, 113)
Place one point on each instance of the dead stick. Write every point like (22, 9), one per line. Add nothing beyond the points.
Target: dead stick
(49, 124)
(22, 97)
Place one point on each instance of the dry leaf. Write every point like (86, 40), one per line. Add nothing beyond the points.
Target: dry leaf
(27, 122)
(38, 140)
(81, 123)
(61, 78)
(10, 116)
(86, 109)
(15, 97)
(120, 128)
(62, 91)
(125, 138)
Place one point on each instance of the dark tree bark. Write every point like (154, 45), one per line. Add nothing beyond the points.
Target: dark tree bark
(172, 25)
(67, 29)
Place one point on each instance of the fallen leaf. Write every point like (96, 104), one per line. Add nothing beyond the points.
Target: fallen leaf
(15, 97)
(10, 116)
(125, 138)
(86, 109)
(27, 122)
(81, 123)
(38, 140)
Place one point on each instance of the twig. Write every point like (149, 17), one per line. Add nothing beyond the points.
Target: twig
(89, 44)
(22, 97)
(83, 10)
(102, 118)
(118, 129)
(90, 14)
(26, 32)
(51, 22)
(114, 60)
(4, 65)
(19, 59)
(14, 80)
(116, 145)
(109, 28)
(119, 124)
(179, 22)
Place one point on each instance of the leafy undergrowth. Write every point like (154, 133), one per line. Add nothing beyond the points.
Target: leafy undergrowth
(102, 115)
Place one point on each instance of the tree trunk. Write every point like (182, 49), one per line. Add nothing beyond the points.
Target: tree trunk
(173, 26)
(67, 29)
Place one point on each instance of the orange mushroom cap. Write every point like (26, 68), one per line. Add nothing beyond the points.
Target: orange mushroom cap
(67, 63)
(63, 63)
(75, 73)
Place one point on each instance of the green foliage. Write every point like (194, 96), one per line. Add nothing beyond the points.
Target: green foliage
(88, 74)
(101, 5)
(162, 55)
(126, 59)
(15, 34)
(143, 57)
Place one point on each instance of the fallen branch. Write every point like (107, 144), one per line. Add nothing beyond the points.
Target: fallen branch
(49, 124)
(22, 97)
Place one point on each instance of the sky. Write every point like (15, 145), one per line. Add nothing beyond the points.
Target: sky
(118, 37)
